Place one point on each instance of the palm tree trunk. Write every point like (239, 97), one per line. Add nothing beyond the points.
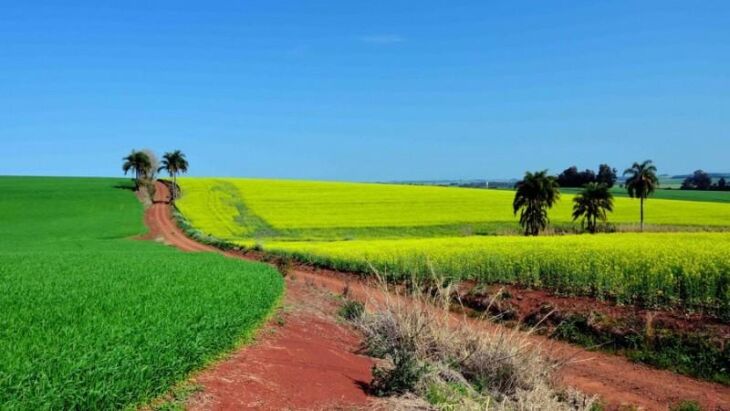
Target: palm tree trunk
(174, 186)
(641, 201)
(595, 224)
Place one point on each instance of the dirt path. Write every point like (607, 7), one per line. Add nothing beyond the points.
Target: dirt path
(302, 359)
(615, 379)
(158, 219)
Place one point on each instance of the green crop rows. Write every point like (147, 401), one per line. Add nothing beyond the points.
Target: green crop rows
(92, 319)
(671, 194)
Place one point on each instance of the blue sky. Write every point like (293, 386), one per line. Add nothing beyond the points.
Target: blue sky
(376, 90)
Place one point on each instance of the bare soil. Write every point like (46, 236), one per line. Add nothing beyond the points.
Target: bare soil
(162, 227)
(522, 304)
(311, 362)
(695, 343)
(302, 359)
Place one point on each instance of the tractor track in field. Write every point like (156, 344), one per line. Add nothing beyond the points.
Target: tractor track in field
(311, 361)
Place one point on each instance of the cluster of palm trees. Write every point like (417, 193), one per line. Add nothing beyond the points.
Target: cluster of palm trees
(143, 165)
(537, 193)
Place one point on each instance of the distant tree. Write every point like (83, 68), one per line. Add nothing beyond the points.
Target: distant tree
(587, 176)
(154, 164)
(571, 177)
(536, 193)
(699, 180)
(591, 204)
(606, 175)
(568, 177)
(641, 182)
(722, 184)
(139, 163)
(174, 163)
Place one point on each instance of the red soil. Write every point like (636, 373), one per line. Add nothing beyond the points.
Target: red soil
(161, 226)
(308, 362)
(525, 302)
(326, 373)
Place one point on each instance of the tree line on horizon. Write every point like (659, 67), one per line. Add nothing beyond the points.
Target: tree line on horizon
(144, 165)
(537, 192)
(571, 177)
(700, 180)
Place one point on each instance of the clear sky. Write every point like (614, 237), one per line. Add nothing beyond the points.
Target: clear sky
(365, 90)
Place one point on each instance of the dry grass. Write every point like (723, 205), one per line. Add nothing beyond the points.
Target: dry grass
(434, 360)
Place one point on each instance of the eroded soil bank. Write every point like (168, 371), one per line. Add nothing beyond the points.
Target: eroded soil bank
(689, 343)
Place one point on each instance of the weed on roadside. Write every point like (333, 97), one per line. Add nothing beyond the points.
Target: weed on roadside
(351, 310)
(177, 398)
(451, 364)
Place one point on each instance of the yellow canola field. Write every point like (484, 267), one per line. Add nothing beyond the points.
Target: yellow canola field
(404, 230)
(651, 268)
(290, 204)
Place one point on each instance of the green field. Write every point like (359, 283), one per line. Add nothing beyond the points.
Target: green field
(93, 319)
(673, 194)
(404, 230)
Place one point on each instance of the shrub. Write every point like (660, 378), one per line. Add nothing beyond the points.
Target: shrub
(687, 406)
(403, 377)
(351, 310)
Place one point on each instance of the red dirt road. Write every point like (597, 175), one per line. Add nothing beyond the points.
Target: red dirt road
(310, 362)
(302, 359)
(158, 219)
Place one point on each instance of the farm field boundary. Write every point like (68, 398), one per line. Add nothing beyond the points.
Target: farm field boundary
(672, 270)
(671, 194)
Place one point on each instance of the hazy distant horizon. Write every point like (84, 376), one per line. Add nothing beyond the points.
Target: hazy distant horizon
(396, 180)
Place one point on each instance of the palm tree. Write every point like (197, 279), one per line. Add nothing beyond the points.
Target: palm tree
(536, 193)
(591, 204)
(174, 163)
(641, 183)
(139, 163)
